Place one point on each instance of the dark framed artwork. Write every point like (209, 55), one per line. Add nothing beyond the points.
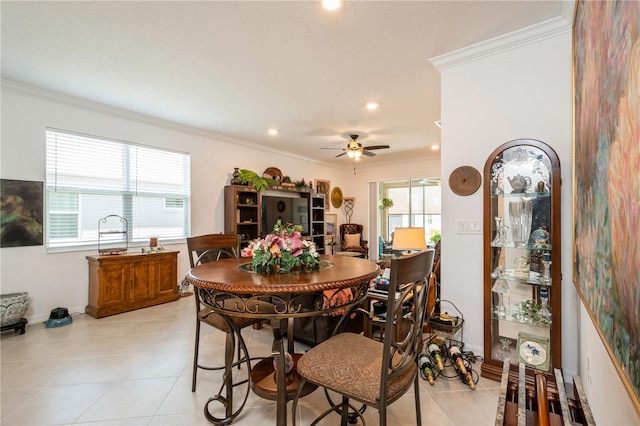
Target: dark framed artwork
(606, 193)
(22, 213)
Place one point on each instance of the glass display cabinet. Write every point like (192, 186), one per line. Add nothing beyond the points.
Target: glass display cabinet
(522, 274)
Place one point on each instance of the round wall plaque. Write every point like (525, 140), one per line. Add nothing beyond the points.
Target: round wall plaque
(465, 180)
(336, 197)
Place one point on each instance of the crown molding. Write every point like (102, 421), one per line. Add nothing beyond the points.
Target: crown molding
(10, 86)
(514, 40)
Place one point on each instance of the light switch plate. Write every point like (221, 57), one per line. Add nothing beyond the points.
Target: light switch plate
(473, 227)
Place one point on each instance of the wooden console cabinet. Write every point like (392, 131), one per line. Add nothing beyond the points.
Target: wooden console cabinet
(121, 283)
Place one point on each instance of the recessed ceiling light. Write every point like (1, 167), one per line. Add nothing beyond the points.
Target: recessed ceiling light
(435, 147)
(273, 132)
(438, 123)
(372, 105)
(331, 4)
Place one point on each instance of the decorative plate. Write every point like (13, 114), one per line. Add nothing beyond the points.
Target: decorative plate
(273, 173)
(465, 180)
(533, 351)
(336, 197)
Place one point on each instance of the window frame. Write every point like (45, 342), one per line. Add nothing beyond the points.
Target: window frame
(136, 189)
(411, 218)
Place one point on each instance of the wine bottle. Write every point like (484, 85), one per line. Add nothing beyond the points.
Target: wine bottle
(458, 364)
(424, 363)
(434, 353)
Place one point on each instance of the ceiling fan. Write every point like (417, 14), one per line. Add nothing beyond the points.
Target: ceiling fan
(355, 149)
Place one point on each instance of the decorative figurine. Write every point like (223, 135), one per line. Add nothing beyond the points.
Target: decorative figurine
(540, 237)
(497, 273)
(519, 183)
(522, 267)
(235, 177)
(546, 274)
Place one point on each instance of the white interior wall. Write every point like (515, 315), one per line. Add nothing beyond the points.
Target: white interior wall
(60, 279)
(609, 400)
(521, 92)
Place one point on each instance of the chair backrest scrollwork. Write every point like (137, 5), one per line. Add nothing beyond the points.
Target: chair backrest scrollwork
(406, 312)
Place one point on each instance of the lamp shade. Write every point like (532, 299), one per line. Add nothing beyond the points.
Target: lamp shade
(409, 239)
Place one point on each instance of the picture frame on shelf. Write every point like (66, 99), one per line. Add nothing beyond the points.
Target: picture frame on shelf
(330, 220)
(533, 351)
(323, 187)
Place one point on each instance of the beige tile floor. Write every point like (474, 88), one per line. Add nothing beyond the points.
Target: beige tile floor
(135, 369)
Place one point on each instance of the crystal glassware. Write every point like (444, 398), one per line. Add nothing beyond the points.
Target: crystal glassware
(544, 312)
(501, 288)
(520, 217)
(499, 238)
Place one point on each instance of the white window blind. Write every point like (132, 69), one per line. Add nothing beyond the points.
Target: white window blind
(89, 178)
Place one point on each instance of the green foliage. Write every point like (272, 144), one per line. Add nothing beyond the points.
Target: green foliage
(258, 182)
(435, 237)
(386, 203)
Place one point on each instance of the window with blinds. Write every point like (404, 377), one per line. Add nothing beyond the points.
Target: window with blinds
(89, 178)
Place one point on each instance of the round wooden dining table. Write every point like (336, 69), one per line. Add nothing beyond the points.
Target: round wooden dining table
(341, 283)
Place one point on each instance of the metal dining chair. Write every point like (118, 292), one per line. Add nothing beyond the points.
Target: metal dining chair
(210, 248)
(372, 372)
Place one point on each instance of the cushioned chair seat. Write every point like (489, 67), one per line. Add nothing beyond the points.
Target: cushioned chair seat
(355, 372)
(375, 373)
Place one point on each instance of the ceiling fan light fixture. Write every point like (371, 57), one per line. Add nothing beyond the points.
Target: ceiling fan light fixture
(354, 154)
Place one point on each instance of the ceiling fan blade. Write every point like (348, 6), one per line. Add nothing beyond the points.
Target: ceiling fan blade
(377, 147)
(340, 155)
(368, 154)
(331, 148)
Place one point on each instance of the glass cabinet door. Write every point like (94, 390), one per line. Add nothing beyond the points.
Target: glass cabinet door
(522, 320)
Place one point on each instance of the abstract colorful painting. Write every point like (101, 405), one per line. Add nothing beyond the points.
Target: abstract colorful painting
(21, 215)
(606, 258)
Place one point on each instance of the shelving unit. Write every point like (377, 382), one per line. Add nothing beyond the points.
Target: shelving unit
(242, 212)
(317, 221)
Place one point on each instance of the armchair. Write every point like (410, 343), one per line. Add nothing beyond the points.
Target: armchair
(351, 239)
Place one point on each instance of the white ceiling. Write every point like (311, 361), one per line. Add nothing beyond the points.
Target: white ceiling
(237, 68)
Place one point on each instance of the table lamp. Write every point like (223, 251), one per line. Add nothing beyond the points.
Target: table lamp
(408, 239)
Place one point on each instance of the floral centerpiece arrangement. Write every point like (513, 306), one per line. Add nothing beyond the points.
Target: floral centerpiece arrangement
(282, 251)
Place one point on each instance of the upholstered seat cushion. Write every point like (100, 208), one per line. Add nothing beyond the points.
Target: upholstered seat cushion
(208, 316)
(350, 364)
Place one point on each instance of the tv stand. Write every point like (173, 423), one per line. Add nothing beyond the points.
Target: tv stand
(244, 212)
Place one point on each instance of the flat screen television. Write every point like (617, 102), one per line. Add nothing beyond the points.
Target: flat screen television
(293, 210)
